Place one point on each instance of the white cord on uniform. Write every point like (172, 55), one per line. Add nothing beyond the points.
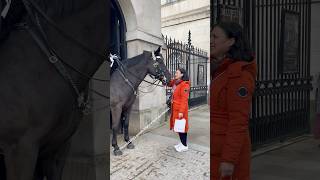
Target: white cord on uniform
(112, 57)
(6, 9)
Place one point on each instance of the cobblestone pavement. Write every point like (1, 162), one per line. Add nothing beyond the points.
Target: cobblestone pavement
(154, 157)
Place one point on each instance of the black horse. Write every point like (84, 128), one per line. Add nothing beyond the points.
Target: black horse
(124, 83)
(38, 106)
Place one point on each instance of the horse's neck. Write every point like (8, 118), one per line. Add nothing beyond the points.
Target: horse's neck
(89, 26)
(136, 74)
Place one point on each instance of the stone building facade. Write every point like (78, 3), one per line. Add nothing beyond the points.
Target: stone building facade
(180, 16)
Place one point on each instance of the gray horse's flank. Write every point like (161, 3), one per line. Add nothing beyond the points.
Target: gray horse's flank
(122, 91)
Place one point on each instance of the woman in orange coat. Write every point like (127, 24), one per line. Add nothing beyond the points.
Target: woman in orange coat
(231, 90)
(179, 104)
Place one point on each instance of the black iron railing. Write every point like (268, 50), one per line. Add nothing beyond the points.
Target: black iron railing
(280, 107)
(195, 61)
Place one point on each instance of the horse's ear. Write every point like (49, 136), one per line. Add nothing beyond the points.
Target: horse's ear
(157, 52)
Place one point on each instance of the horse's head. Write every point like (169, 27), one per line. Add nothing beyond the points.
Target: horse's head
(157, 68)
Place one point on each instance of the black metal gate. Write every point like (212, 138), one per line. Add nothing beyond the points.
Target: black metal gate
(195, 61)
(279, 32)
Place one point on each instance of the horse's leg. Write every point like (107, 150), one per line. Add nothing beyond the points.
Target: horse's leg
(21, 161)
(126, 129)
(126, 115)
(121, 123)
(116, 115)
(55, 164)
(120, 129)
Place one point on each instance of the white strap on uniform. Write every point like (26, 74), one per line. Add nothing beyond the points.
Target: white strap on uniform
(112, 59)
(6, 9)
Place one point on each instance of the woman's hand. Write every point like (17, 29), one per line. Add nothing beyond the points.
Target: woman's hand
(226, 169)
(180, 115)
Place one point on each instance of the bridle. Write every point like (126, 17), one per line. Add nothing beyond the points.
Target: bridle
(159, 71)
(124, 72)
(42, 41)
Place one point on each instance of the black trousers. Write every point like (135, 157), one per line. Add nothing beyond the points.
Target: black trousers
(183, 138)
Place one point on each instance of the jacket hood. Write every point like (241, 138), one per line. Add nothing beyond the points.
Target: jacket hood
(252, 68)
(186, 82)
(239, 66)
(176, 82)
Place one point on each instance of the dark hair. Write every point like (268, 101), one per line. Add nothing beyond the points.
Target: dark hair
(240, 50)
(185, 76)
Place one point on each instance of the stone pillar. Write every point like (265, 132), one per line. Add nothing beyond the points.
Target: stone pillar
(144, 33)
(150, 104)
(89, 158)
(89, 154)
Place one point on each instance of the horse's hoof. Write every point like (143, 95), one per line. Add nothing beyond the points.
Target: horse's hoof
(130, 146)
(117, 152)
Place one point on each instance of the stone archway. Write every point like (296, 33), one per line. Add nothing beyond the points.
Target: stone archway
(129, 14)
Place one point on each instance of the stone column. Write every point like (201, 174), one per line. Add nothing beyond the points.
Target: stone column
(143, 21)
(89, 158)
(89, 154)
(147, 105)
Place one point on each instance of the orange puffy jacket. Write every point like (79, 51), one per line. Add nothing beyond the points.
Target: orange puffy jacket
(231, 91)
(179, 102)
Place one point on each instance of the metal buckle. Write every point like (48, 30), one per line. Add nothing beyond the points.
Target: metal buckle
(53, 59)
(156, 64)
(80, 100)
(86, 109)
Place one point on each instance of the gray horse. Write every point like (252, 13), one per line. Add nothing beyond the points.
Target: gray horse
(38, 106)
(124, 84)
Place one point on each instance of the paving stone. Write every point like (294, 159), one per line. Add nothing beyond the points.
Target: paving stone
(155, 158)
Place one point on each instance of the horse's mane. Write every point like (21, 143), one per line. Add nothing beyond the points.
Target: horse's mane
(137, 59)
